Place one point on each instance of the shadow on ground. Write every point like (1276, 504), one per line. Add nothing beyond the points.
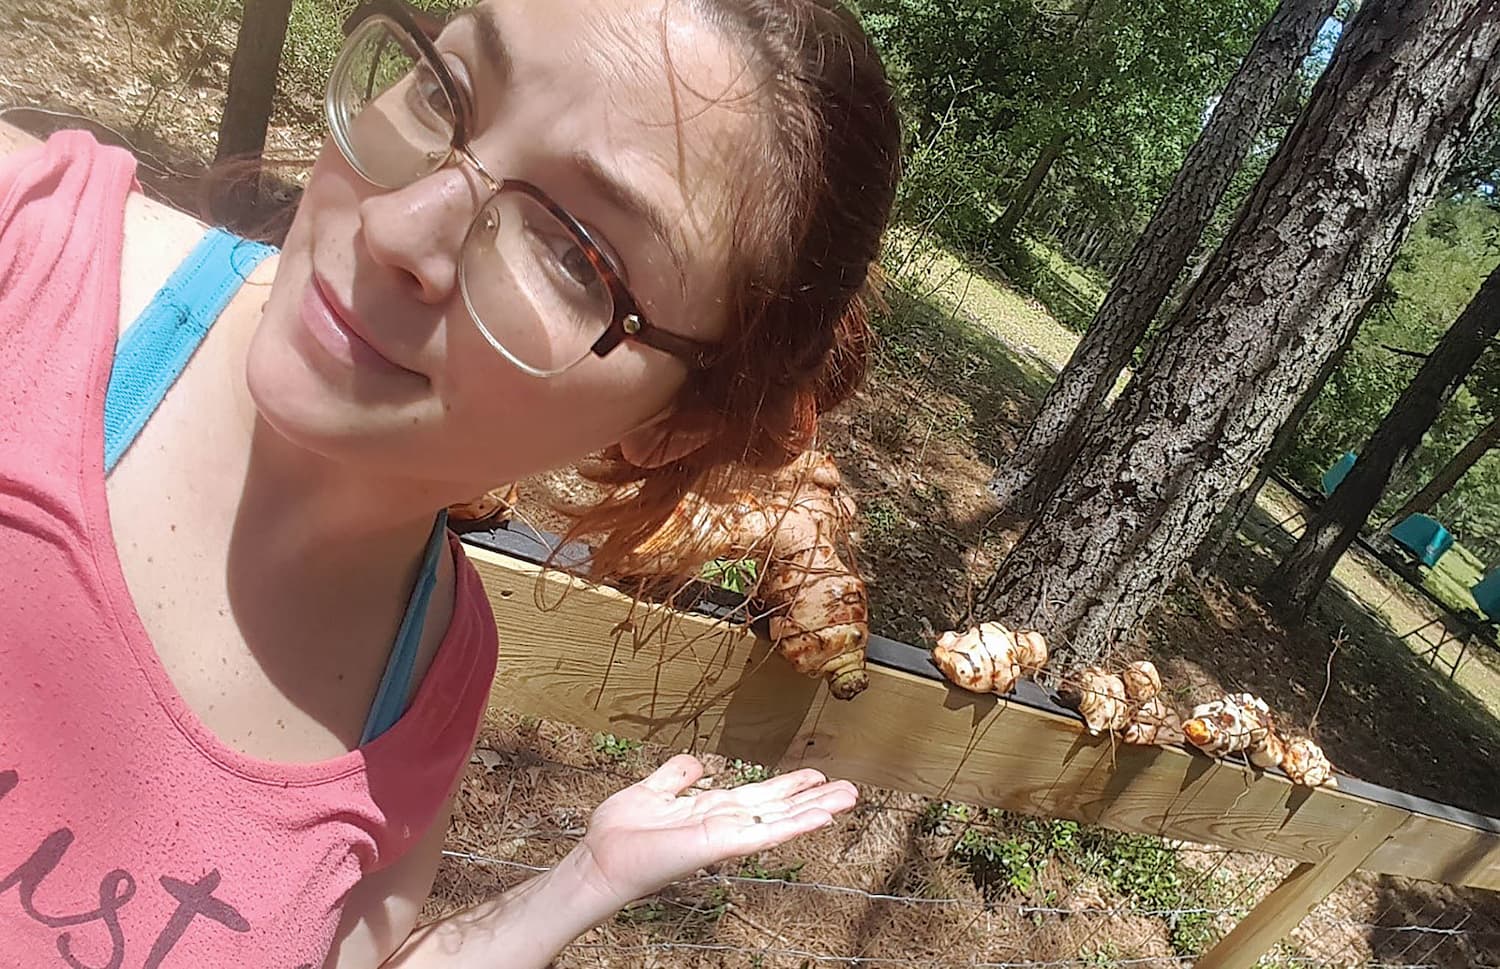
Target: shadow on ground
(943, 404)
(1388, 717)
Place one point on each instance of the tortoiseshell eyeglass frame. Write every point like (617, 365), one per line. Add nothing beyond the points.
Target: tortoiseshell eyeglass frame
(628, 322)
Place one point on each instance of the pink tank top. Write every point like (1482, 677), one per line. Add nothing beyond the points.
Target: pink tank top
(130, 837)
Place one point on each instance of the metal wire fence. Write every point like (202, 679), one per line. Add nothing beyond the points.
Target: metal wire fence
(903, 881)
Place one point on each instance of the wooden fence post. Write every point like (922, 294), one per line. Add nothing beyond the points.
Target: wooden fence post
(1288, 904)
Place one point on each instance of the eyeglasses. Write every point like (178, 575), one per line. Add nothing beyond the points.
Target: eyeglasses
(398, 115)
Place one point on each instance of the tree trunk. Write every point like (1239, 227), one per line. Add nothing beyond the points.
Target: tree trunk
(1052, 441)
(1228, 524)
(1015, 210)
(1407, 87)
(252, 79)
(1443, 482)
(1295, 584)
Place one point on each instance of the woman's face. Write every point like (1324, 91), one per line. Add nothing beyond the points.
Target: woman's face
(366, 352)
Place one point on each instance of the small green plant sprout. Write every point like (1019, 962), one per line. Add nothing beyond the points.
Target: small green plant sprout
(998, 863)
(736, 575)
(943, 817)
(742, 772)
(614, 748)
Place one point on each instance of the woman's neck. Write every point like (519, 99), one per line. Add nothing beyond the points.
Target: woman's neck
(296, 514)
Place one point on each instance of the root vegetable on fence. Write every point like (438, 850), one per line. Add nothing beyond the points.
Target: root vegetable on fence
(795, 541)
(490, 509)
(1099, 697)
(989, 658)
(800, 537)
(1242, 723)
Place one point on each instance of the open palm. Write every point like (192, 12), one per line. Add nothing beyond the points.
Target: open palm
(652, 834)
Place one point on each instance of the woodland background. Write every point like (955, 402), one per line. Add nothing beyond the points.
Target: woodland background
(1042, 137)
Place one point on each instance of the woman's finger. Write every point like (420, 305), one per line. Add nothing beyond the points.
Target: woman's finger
(781, 786)
(844, 791)
(832, 799)
(675, 776)
(769, 834)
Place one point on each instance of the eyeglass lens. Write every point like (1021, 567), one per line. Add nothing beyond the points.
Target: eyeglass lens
(525, 274)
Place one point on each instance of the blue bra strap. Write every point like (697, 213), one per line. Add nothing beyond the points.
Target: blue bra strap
(149, 358)
(391, 698)
(159, 343)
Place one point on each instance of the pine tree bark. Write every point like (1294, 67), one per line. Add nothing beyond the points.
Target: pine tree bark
(1306, 568)
(1407, 87)
(1227, 526)
(1443, 482)
(252, 79)
(1157, 257)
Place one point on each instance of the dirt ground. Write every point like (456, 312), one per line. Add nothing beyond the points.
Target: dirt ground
(962, 361)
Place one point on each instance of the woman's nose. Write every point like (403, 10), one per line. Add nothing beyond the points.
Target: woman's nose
(418, 231)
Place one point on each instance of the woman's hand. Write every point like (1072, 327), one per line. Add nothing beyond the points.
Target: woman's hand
(650, 834)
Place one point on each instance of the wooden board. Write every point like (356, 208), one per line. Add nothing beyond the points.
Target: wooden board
(1283, 910)
(596, 658)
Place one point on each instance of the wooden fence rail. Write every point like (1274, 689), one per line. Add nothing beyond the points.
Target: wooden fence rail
(596, 658)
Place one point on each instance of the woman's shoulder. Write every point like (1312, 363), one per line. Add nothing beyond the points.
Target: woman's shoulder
(157, 236)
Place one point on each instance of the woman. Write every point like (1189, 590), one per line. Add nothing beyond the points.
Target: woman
(242, 662)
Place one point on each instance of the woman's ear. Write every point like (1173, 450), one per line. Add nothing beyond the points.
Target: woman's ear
(660, 443)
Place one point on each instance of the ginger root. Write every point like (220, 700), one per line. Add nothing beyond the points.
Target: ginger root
(1153, 722)
(1142, 681)
(801, 537)
(989, 658)
(1099, 696)
(820, 611)
(1234, 724)
(491, 508)
(1305, 763)
(1128, 702)
(1242, 723)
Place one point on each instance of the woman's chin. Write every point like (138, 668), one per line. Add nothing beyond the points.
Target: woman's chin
(331, 414)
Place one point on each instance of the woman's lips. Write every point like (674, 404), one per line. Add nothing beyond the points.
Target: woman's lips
(337, 337)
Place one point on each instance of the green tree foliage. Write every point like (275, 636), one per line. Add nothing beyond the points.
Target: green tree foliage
(1455, 246)
(988, 83)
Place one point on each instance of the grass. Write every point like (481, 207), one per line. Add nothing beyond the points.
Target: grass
(979, 296)
(1071, 292)
(1452, 579)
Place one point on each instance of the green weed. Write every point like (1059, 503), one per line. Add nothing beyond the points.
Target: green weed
(736, 575)
(614, 748)
(742, 772)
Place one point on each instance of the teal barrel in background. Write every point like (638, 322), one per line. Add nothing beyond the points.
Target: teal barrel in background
(1425, 537)
(1486, 592)
(1335, 475)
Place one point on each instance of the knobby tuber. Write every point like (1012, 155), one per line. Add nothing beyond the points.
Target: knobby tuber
(1242, 723)
(801, 536)
(491, 508)
(1305, 763)
(1142, 681)
(1153, 722)
(1128, 703)
(1099, 696)
(1239, 723)
(989, 658)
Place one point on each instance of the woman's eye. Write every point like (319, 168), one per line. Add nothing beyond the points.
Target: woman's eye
(573, 261)
(431, 99)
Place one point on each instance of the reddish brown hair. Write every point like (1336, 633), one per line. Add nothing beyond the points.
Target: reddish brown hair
(808, 232)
